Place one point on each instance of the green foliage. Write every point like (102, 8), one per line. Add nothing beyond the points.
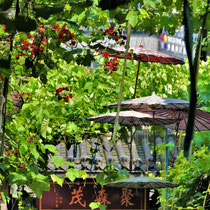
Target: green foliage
(44, 121)
(97, 205)
(192, 177)
(111, 173)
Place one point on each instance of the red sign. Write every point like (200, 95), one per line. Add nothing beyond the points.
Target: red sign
(79, 196)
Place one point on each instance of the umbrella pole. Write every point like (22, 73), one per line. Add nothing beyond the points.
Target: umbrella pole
(175, 144)
(137, 75)
(131, 157)
(154, 143)
(166, 172)
(145, 198)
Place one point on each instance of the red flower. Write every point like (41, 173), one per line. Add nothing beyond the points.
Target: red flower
(66, 98)
(18, 155)
(17, 57)
(26, 43)
(105, 69)
(0, 196)
(41, 48)
(56, 27)
(28, 94)
(16, 96)
(28, 35)
(67, 88)
(106, 54)
(4, 27)
(21, 165)
(70, 95)
(23, 93)
(107, 63)
(9, 39)
(64, 26)
(72, 35)
(109, 31)
(27, 98)
(41, 30)
(116, 38)
(8, 154)
(59, 90)
(60, 36)
(30, 139)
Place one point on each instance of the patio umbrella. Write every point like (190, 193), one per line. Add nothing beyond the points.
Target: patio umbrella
(141, 54)
(133, 118)
(153, 103)
(202, 119)
(142, 182)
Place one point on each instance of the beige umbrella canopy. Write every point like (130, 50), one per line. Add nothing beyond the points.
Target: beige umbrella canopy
(153, 103)
(133, 118)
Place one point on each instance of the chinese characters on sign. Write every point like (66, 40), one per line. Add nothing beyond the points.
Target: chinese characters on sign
(71, 196)
(102, 197)
(77, 197)
(127, 195)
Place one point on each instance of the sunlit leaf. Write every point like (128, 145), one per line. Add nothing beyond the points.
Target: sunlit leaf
(132, 18)
(57, 179)
(51, 148)
(58, 161)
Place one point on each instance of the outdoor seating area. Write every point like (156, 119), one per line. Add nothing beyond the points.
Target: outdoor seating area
(104, 104)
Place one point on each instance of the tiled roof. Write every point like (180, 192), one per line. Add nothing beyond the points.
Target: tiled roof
(94, 163)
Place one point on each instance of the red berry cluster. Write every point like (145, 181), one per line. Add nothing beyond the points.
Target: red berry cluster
(27, 97)
(65, 97)
(35, 47)
(111, 64)
(108, 31)
(116, 35)
(64, 34)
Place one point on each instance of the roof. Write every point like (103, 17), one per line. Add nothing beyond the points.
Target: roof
(93, 163)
